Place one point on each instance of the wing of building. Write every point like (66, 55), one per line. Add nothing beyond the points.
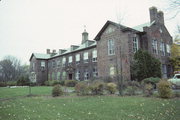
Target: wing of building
(111, 50)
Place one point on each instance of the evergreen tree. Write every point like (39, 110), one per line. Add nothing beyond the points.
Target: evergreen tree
(144, 66)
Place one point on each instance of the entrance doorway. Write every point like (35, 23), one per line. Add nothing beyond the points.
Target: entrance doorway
(70, 76)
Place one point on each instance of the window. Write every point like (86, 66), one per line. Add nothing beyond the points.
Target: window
(53, 76)
(49, 76)
(70, 59)
(95, 72)
(86, 75)
(112, 71)
(162, 49)
(154, 46)
(58, 75)
(86, 57)
(59, 63)
(54, 63)
(42, 64)
(135, 44)
(33, 66)
(77, 75)
(168, 49)
(64, 75)
(64, 61)
(111, 50)
(94, 56)
(164, 71)
(77, 58)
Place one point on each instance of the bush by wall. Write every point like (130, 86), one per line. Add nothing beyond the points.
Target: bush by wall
(57, 91)
(53, 82)
(96, 88)
(148, 90)
(70, 83)
(111, 88)
(82, 88)
(164, 89)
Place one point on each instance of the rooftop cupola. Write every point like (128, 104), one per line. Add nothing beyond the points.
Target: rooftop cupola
(84, 36)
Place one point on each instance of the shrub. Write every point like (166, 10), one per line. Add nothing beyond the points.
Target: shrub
(111, 88)
(11, 83)
(82, 88)
(70, 83)
(96, 88)
(152, 80)
(148, 90)
(52, 82)
(23, 80)
(164, 89)
(62, 82)
(2, 84)
(131, 90)
(57, 91)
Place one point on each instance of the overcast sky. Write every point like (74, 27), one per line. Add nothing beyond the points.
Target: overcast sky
(28, 26)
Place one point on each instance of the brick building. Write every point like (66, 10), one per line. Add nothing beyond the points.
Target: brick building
(110, 52)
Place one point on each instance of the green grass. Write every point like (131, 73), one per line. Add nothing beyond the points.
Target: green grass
(87, 108)
(6, 92)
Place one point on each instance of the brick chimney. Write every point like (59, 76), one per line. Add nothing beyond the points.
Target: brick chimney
(48, 51)
(54, 51)
(157, 16)
(160, 16)
(153, 14)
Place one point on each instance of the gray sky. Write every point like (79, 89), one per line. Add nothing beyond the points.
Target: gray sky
(28, 26)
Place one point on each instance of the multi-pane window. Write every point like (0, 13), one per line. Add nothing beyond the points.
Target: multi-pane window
(135, 44)
(168, 49)
(85, 57)
(95, 72)
(94, 56)
(111, 49)
(86, 75)
(77, 58)
(154, 46)
(64, 61)
(77, 75)
(162, 48)
(49, 76)
(54, 63)
(70, 59)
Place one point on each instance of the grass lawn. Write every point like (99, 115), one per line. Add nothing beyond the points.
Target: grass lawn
(88, 108)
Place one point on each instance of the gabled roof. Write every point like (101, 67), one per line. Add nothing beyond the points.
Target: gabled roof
(40, 56)
(138, 28)
(105, 26)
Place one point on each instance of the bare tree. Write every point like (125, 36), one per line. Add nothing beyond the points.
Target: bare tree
(11, 69)
(174, 7)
